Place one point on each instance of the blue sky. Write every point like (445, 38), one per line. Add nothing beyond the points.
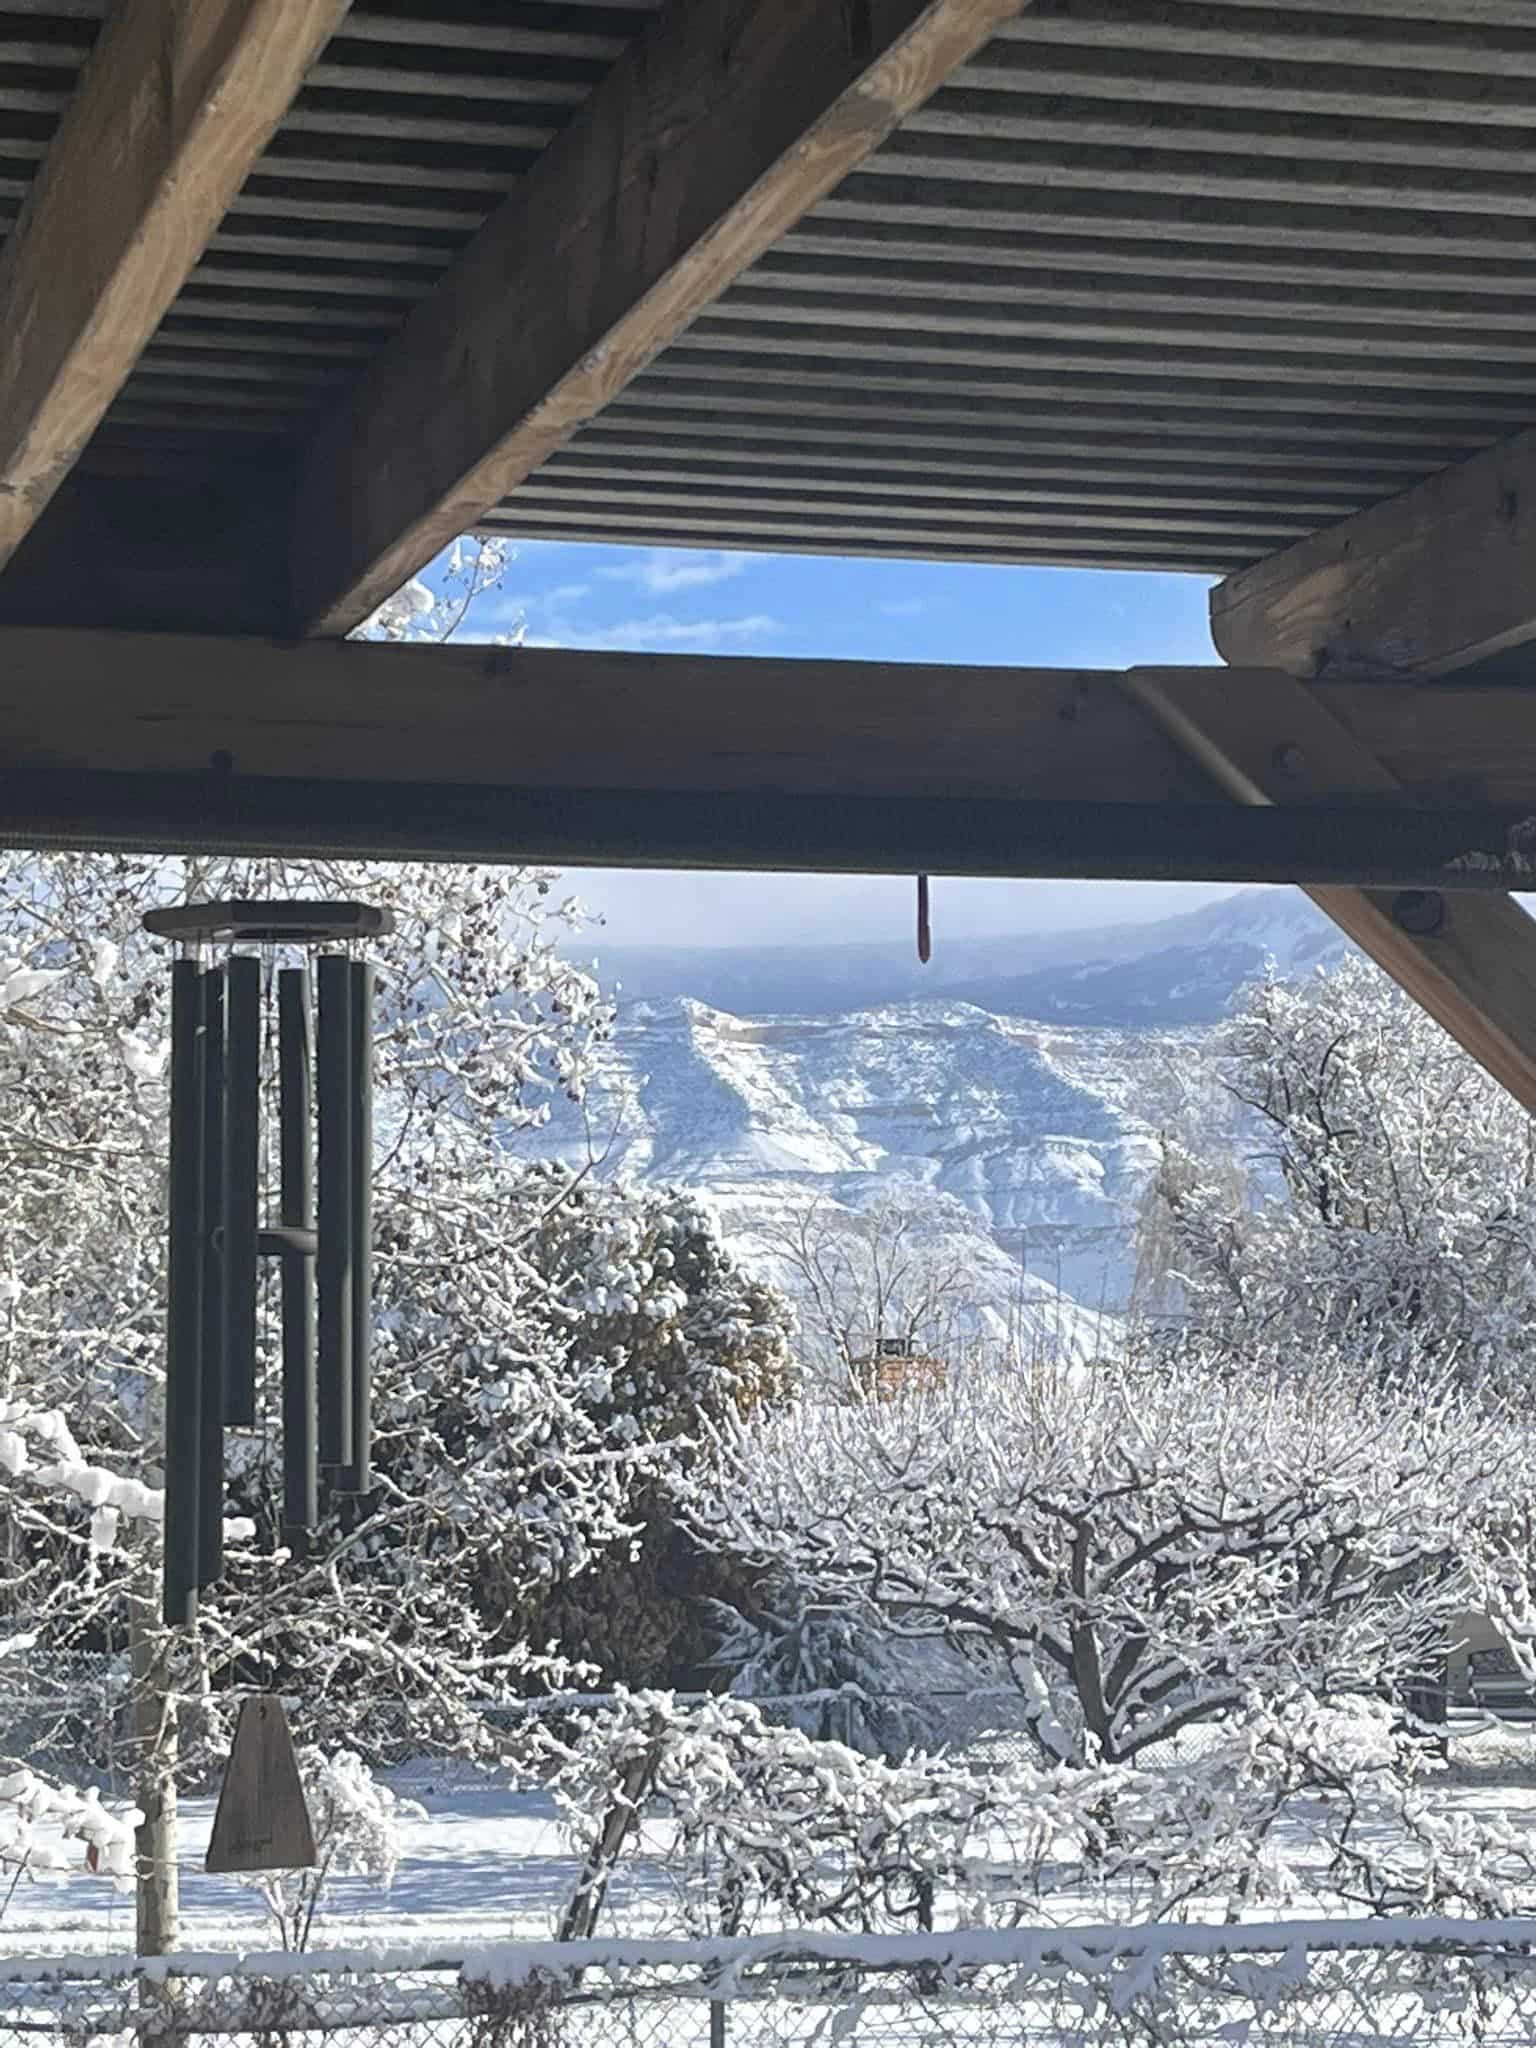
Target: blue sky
(717, 602)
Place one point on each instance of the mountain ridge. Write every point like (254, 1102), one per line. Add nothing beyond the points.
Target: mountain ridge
(1104, 974)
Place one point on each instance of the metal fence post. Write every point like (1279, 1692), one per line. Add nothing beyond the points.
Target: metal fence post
(717, 2023)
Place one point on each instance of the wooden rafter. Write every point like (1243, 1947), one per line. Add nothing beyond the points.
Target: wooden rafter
(710, 138)
(1469, 960)
(175, 104)
(1423, 583)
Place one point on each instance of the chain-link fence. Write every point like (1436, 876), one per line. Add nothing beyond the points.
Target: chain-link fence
(1309, 1985)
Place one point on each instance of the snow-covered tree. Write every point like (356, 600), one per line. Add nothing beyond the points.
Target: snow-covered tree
(1141, 1546)
(482, 1020)
(420, 614)
(897, 1271)
(1390, 1182)
(679, 1338)
(514, 1444)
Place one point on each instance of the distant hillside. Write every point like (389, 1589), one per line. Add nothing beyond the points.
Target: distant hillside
(1026, 1080)
(1177, 970)
(1185, 971)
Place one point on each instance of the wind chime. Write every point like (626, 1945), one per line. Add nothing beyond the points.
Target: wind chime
(222, 1223)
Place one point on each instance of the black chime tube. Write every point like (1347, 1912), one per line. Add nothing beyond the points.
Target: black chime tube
(241, 1188)
(334, 1091)
(210, 1409)
(295, 1053)
(183, 1331)
(358, 1476)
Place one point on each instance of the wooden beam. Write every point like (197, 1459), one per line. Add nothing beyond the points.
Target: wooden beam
(183, 704)
(149, 702)
(175, 104)
(809, 833)
(1469, 960)
(1424, 583)
(715, 132)
(140, 739)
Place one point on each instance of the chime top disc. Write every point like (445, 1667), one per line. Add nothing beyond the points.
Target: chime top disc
(268, 924)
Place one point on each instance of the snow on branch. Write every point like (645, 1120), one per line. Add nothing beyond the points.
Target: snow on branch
(38, 1818)
(37, 1446)
(762, 1824)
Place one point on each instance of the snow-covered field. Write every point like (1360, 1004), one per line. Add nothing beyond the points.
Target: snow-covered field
(487, 1861)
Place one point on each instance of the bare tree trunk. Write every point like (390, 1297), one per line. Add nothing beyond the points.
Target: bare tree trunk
(155, 1731)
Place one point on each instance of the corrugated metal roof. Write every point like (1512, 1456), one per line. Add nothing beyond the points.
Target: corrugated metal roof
(417, 120)
(1162, 283)
(1150, 283)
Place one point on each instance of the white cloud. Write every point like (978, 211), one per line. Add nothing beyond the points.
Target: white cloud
(902, 607)
(661, 629)
(663, 570)
(565, 593)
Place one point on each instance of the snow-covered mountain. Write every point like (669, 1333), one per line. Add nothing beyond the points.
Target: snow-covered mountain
(1182, 970)
(1177, 970)
(1033, 1099)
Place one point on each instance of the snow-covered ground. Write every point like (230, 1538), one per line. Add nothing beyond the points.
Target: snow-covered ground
(488, 1861)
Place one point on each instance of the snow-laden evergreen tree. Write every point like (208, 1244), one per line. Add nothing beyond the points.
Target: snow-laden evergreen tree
(680, 1338)
(1388, 1181)
(838, 1673)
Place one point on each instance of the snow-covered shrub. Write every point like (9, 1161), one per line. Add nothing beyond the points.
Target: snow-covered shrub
(836, 1674)
(48, 1829)
(1297, 1805)
(767, 1822)
(356, 1822)
(1142, 1547)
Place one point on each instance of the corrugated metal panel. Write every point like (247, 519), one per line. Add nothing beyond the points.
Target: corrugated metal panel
(1164, 283)
(1153, 282)
(417, 120)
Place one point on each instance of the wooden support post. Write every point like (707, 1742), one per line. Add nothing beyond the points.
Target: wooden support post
(1469, 960)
